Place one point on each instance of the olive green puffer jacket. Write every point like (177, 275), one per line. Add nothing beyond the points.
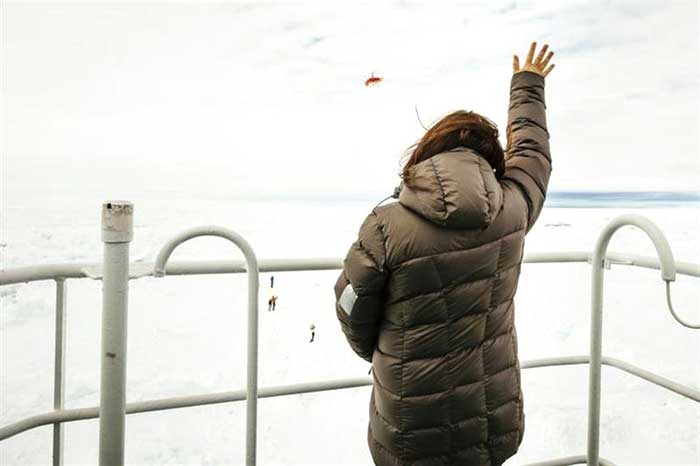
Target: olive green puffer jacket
(426, 295)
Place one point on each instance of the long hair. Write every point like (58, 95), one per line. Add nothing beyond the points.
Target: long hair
(458, 129)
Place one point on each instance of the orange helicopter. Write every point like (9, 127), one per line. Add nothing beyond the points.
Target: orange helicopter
(373, 80)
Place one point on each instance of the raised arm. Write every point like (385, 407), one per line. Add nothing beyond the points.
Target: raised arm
(359, 290)
(528, 163)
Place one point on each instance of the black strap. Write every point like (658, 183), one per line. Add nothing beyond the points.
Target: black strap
(395, 195)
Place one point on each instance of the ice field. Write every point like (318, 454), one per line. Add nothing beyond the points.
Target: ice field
(187, 336)
(192, 110)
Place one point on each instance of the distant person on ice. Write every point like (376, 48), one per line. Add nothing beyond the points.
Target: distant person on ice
(274, 301)
(272, 281)
(426, 293)
(313, 333)
(269, 304)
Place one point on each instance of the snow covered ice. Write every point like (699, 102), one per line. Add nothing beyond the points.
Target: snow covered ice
(187, 336)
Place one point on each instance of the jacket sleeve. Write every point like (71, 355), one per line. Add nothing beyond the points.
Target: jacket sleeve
(529, 163)
(359, 291)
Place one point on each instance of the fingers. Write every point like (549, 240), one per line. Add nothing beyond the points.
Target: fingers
(530, 54)
(548, 70)
(544, 64)
(539, 65)
(540, 55)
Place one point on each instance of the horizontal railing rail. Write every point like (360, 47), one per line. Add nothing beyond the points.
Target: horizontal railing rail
(93, 270)
(61, 272)
(189, 401)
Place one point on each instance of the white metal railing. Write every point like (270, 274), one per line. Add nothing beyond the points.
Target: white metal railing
(117, 231)
(252, 353)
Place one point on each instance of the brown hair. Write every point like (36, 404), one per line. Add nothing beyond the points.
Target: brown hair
(458, 129)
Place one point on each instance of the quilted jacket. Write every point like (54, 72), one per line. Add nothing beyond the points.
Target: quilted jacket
(426, 295)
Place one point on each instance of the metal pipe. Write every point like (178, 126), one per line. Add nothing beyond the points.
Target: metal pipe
(675, 387)
(551, 362)
(35, 273)
(94, 270)
(240, 395)
(569, 460)
(252, 351)
(81, 414)
(668, 273)
(268, 265)
(117, 232)
(59, 375)
(683, 390)
(678, 318)
(313, 387)
(682, 267)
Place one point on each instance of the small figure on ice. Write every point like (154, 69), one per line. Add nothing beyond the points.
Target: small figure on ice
(313, 332)
(273, 300)
(272, 281)
(269, 305)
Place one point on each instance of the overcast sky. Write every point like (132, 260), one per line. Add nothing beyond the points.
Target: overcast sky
(269, 98)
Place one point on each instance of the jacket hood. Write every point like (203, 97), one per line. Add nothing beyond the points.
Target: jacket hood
(454, 189)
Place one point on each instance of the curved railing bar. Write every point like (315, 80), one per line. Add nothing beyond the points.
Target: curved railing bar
(140, 269)
(159, 270)
(668, 273)
(673, 312)
(162, 404)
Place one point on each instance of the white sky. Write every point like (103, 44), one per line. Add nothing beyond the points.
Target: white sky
(268, 99)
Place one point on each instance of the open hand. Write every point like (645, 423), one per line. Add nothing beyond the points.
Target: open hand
(539, 65)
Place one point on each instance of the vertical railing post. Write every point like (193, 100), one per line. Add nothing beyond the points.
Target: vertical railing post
(59, 375)
(252, 353)
(117, 221)
(668, 273)
(596, 351)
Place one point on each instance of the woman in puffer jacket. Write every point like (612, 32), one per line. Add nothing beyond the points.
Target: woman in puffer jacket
(426, 293)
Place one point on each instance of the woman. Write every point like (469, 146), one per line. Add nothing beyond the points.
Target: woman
(426, 293)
